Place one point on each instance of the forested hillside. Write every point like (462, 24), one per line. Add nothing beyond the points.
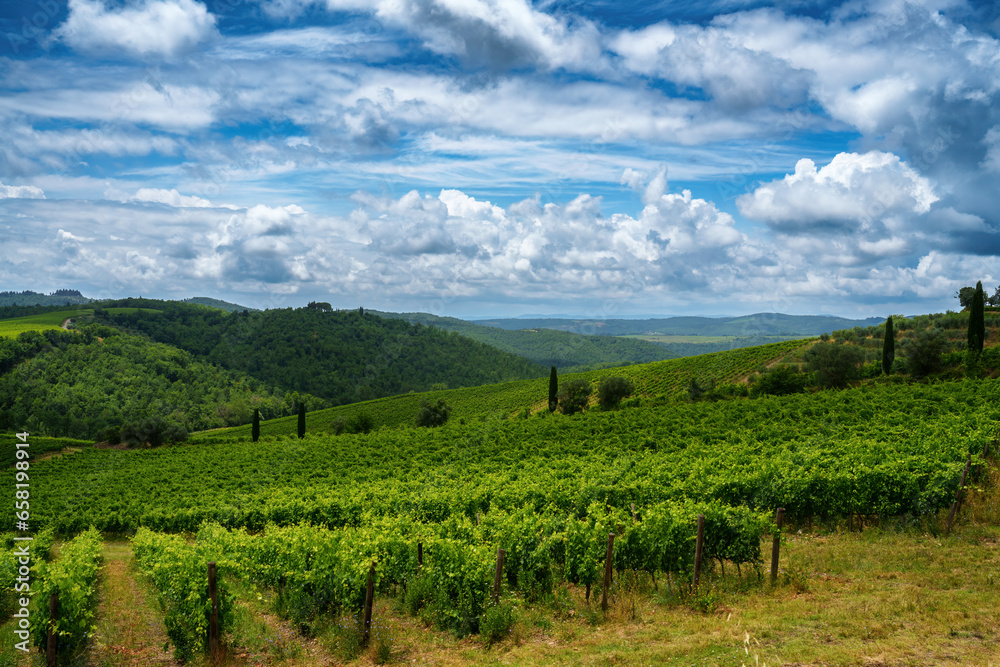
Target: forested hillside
(342, 356)
(61, 297)
(93, 383)
(567, 351)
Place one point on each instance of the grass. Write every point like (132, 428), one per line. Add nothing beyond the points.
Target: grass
(130, 630)
(15, 326)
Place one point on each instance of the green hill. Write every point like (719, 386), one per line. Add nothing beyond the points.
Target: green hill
(341, 356)
(89, 384)
(655, 383)
(567, 351)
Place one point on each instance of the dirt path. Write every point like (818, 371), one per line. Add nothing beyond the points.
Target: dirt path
(65, 324)
(130, 630)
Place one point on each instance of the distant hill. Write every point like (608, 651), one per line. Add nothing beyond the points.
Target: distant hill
(565, 350)
(760, 324)
(90, 383)
(216, 303)
(61, 297)
(341, 356)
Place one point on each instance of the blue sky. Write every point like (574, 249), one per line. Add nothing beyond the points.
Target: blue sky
(499, 157)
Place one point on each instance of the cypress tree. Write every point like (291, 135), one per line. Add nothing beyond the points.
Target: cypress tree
(302, 420)
(977, 320)
(553, 390)
(255, 429)
(888, 347)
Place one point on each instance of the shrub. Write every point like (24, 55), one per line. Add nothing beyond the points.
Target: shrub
(612, 390)
(833, 365)
(496, 623)
(433, 414)
(574, 396)
(780, 381)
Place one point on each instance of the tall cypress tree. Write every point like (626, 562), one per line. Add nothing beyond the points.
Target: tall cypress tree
(553, 390)
(977, 320)
(255, 429)
(302, 420)
(888, 347)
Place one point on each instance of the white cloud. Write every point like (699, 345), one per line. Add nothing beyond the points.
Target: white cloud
(20, 192)
(853, 191)
(170, 198)
(147, 28)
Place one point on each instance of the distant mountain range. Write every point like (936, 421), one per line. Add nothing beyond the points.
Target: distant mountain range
(760, 324)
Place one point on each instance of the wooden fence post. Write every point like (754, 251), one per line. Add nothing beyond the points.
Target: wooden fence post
(958, 494)
(213, 619)
(51, 638)
(779, 518)
(369, 600)
(699, 548)
(608, 564)
(497, 576)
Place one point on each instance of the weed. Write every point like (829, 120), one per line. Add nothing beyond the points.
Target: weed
(497, 623)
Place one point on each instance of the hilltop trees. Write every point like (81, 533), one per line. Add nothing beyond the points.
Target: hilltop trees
(888, 347)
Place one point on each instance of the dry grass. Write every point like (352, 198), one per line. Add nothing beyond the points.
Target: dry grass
(130, 630)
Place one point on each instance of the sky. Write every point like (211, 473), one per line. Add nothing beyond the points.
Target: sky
(475, 158)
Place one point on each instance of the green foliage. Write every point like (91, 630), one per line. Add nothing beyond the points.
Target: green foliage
(779, 381)
(85, 385)
(73, 577)
(152, 431)
(923, 352)
(965, 296)
(568, 351)
(662, 381)
(497, 623)
(888, 347)
(433, 414)
(735, 452)
(977, 325)
(342, 356)
(574, 396)
(179, 572)
(833, 365)
(612, 390)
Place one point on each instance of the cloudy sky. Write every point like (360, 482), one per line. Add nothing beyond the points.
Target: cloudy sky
(502, 157)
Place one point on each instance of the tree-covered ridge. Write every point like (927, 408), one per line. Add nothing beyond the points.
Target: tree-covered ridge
(569, 352)
(89, 384)
(343, 356)
(61, 297)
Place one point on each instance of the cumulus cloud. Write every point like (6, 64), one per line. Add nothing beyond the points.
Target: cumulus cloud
(847, 194)
(169, 197)
(148, 28)
(20, 192)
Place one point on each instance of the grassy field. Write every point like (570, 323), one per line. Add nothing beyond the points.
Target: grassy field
(15, 326)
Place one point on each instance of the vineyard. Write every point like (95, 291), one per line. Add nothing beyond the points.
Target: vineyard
(308, 517)
(424, 512)
(659, 381)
